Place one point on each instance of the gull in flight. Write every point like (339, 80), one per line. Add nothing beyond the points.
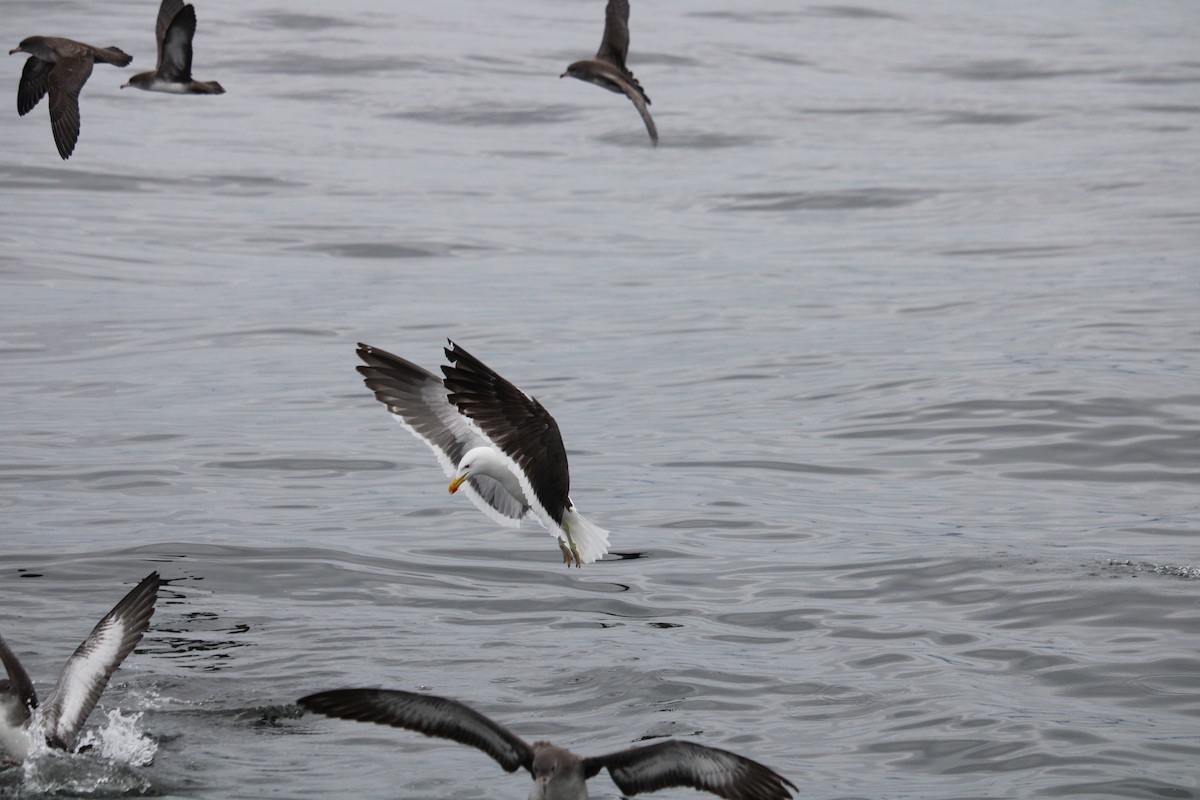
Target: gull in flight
(496, 443)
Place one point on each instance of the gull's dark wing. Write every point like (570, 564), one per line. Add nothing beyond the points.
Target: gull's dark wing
(175, 42)
(614, 47)
(87, 671)
(417, 400)
(18, 678)
(517, 425)
(34, 82)
(427, 714)
(677, 763)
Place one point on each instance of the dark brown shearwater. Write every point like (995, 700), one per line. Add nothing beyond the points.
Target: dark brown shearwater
(608, 68)
(82, 681)
(61, 67)
(176, 27)
(559, 774)
(498, 444)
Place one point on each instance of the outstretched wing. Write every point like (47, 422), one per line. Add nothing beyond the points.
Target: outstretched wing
(614, 47)
(87, 671)
(676, 763)
(166, 15)
(175, 34)
(417, 400)
(34, 82)
(633, 90)
(64, 83)
(517, 425)
(427, 714)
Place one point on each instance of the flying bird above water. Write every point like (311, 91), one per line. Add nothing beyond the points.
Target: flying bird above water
(559, 774)
(60, 67)
(608, 68)
(176, 27)
(83, 678)
(498, 444)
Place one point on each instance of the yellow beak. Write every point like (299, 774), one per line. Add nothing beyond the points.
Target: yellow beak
(457, 482)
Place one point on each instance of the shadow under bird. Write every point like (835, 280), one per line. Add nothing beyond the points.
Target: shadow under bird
(175, 30)
(60, 67)
(559, 774)
(83, 679)
(608, 68)
(498, 444)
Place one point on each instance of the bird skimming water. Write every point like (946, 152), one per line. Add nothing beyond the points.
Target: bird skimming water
(559, 774)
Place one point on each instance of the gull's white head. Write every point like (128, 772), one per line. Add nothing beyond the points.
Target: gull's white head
(482, 460)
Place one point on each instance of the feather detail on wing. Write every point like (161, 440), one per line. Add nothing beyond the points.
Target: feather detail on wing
(633, 90)
(175, 46)
(527, 440)
(517, 426)
(167, 12)
(679, 763)
(614, 46)
(87, 671)
(65, 82)
(427, 714)
(34, 83)
(417, 400)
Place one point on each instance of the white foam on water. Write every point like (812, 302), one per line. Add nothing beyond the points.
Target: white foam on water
(1189, 571)
(107, 769)
(121, 739)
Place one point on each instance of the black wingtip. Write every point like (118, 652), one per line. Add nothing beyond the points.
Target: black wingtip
(141, 599)
(356, 705)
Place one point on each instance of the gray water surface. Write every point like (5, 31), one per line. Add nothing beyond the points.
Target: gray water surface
(881, 368)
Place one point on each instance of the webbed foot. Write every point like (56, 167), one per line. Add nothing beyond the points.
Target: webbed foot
(574, 550)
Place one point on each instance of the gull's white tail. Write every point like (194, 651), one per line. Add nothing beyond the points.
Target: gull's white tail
(591, 540)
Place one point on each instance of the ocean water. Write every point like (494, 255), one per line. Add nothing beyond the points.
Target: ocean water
(882, 369)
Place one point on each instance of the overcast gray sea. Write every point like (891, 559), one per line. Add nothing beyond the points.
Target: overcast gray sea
(882, 369)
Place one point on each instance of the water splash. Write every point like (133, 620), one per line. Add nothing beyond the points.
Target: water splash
(107, 769)
(121, 740)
